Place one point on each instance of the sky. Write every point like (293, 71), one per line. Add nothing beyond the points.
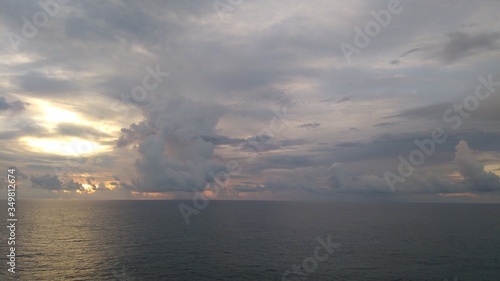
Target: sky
(252, 100)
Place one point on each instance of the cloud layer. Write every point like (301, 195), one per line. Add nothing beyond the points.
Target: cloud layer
(151, 97)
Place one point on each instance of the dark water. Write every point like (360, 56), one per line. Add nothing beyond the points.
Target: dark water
(149, 240)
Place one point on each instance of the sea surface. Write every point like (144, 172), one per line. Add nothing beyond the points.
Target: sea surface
(253, 240)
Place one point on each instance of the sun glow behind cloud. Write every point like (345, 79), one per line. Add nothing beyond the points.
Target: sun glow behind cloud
(70, 147)
(50, 116)
(88, 188)
(54, 114)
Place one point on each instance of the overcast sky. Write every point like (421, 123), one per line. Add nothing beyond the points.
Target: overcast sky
(334, 100)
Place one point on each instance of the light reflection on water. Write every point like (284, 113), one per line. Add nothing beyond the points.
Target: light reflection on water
(148, 240)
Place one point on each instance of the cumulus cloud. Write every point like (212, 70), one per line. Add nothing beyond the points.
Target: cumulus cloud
(46, 181)
(52, 182)
(475, 177)
(71, 185)
(173, 154)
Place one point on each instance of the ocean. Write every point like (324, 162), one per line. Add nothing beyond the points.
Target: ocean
(253, 240)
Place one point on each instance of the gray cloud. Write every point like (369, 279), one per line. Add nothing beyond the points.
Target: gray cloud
(46, 181)
(223, 140)
(69, 129)
(52, 182)
(24, 130)
(229, 79)
(309, 126)
(412, 50)
(37, 82)
(462, 44)
(475, 177)
(174, 157)
(15, 105)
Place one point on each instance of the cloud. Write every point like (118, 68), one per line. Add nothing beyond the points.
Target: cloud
(385, 124)
(37, 82)
(75, 130)
(475, 177)
(28, 128)
(309, 126)
(223, 140)
(462, 44)
(46, 181)
(340, 181)
(71, 185)
(398, 61)
(173, 154)
(14, 106)
(52, 182)
(136, 132)
(231, 79)
(412, 50)
(245, 188)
